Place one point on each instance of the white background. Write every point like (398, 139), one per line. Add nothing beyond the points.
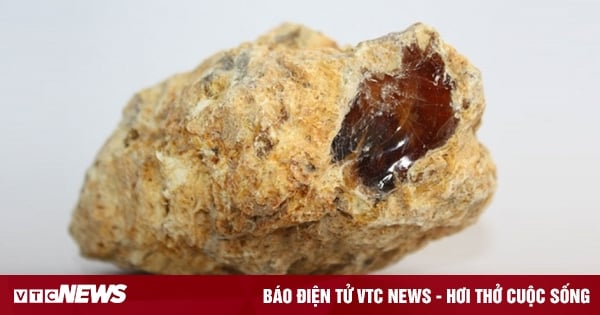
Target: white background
(68, 67)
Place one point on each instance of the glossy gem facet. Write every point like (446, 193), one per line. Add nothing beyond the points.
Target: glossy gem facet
(396, 118)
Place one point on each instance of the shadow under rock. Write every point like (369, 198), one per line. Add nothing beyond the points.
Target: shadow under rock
(449, 252)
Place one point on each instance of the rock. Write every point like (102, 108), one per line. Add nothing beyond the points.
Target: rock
(292, 155)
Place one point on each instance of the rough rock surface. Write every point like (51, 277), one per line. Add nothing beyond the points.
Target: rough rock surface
(292, 155)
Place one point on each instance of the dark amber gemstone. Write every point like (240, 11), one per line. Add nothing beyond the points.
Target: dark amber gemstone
(396, 118)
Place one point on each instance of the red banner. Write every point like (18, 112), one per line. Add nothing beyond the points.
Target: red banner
(136, 294)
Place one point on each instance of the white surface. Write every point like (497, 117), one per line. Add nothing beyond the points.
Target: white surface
(68, 67)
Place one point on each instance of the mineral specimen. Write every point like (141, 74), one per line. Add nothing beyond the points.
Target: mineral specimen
(292, 155)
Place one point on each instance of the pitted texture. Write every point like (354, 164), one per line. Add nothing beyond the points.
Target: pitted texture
(292, 155)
